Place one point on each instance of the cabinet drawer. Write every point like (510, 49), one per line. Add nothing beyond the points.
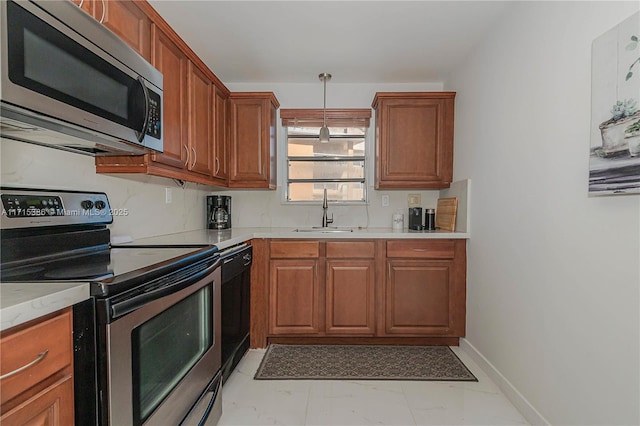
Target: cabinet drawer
(351, 249)
(294, 249)
(421, 249)
(44, 347)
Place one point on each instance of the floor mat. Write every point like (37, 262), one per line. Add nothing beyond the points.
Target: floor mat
(362, 362)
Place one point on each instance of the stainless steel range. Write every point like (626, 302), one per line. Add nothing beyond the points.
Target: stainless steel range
(147, 344)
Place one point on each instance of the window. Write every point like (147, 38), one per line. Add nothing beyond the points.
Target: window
(339, 166)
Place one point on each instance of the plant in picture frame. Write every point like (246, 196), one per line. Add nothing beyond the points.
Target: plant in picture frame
(632, 136)
(632, 46)
(622, 109)
(633, 128)
(613, 130)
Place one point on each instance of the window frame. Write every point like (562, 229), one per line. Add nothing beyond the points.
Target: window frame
(356, 118)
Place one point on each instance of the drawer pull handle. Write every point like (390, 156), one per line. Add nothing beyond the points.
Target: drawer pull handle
(419, 249)
(24, 367)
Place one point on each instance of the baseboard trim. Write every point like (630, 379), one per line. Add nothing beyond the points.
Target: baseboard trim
(521, 403)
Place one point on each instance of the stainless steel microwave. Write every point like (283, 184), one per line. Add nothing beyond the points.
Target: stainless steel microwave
(70, 83)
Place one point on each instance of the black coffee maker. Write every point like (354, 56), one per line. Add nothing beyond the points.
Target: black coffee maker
(218, 212)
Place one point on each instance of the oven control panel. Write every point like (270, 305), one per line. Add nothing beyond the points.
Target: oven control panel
(25, 208)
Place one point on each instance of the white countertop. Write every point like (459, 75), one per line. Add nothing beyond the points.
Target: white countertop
(228, 237)
(22, 302)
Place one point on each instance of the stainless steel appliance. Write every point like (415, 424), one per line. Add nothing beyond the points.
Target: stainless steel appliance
(236, 310)
(70, 83)
(218, 212)
(147, 344)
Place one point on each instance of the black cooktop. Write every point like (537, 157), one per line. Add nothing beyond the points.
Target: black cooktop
(109, 271)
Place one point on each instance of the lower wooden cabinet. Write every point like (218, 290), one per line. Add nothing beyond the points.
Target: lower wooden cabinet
(350, 297)
(375, 289)
(51, 407)
(294, 287)
(417, 297)
(425, 288)
(37, 372)
(295, 296)
(350, 288)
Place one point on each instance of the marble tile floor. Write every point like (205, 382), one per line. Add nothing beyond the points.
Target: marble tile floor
(362, 402)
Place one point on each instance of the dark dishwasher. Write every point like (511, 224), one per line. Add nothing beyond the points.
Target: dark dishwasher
(236, 287)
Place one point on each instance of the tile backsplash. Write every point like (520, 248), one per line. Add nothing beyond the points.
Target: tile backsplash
(143, 197)
(147, 213)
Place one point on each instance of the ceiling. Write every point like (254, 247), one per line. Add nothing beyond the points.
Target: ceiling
(355, 41)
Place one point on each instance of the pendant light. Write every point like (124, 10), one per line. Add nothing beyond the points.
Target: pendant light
(324, 130)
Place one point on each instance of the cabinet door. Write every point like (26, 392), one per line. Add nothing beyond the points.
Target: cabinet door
(221, 139)
(418, 297)
(252, 140)
(53, 407)
(128, 22)
(172, 63)
(414, 141)
(350, 297)
(200, 122)
(294, 301)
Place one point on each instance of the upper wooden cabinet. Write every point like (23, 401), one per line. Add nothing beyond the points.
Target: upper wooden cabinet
(125, 19)
(414, 139)
(221, 137)
(195, 108)
(253, 140)
(200, 158)
(172, 62)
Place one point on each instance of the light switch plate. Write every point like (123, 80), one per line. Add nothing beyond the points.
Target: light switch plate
(414, 200)
(168, 199)
(385, 201)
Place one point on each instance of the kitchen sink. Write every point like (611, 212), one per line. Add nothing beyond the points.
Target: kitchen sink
(324, 229)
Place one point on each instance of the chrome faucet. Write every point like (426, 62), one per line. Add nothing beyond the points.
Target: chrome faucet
(325, 206)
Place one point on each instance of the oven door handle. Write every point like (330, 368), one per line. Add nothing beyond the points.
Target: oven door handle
(199, 413)
(126, 306)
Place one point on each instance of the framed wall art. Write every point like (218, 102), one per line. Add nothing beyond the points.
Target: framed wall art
(614, 160)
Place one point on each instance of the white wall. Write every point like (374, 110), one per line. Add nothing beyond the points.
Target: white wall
(553, 275)
(144, 196)
(27, 165)
(266, 208)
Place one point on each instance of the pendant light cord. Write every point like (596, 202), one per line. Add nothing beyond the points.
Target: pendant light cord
(324, 109)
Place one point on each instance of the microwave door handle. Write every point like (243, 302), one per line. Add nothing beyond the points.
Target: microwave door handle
(140, 135)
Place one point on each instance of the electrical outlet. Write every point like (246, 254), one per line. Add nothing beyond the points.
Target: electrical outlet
(385, 201)
(414, 200)
(168, 198)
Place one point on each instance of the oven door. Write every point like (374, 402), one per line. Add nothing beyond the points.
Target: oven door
(163, 357)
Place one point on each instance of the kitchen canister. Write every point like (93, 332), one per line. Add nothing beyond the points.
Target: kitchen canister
(430, 219)
(397, 220)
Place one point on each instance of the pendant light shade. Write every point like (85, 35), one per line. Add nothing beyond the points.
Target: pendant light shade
(324, 130)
